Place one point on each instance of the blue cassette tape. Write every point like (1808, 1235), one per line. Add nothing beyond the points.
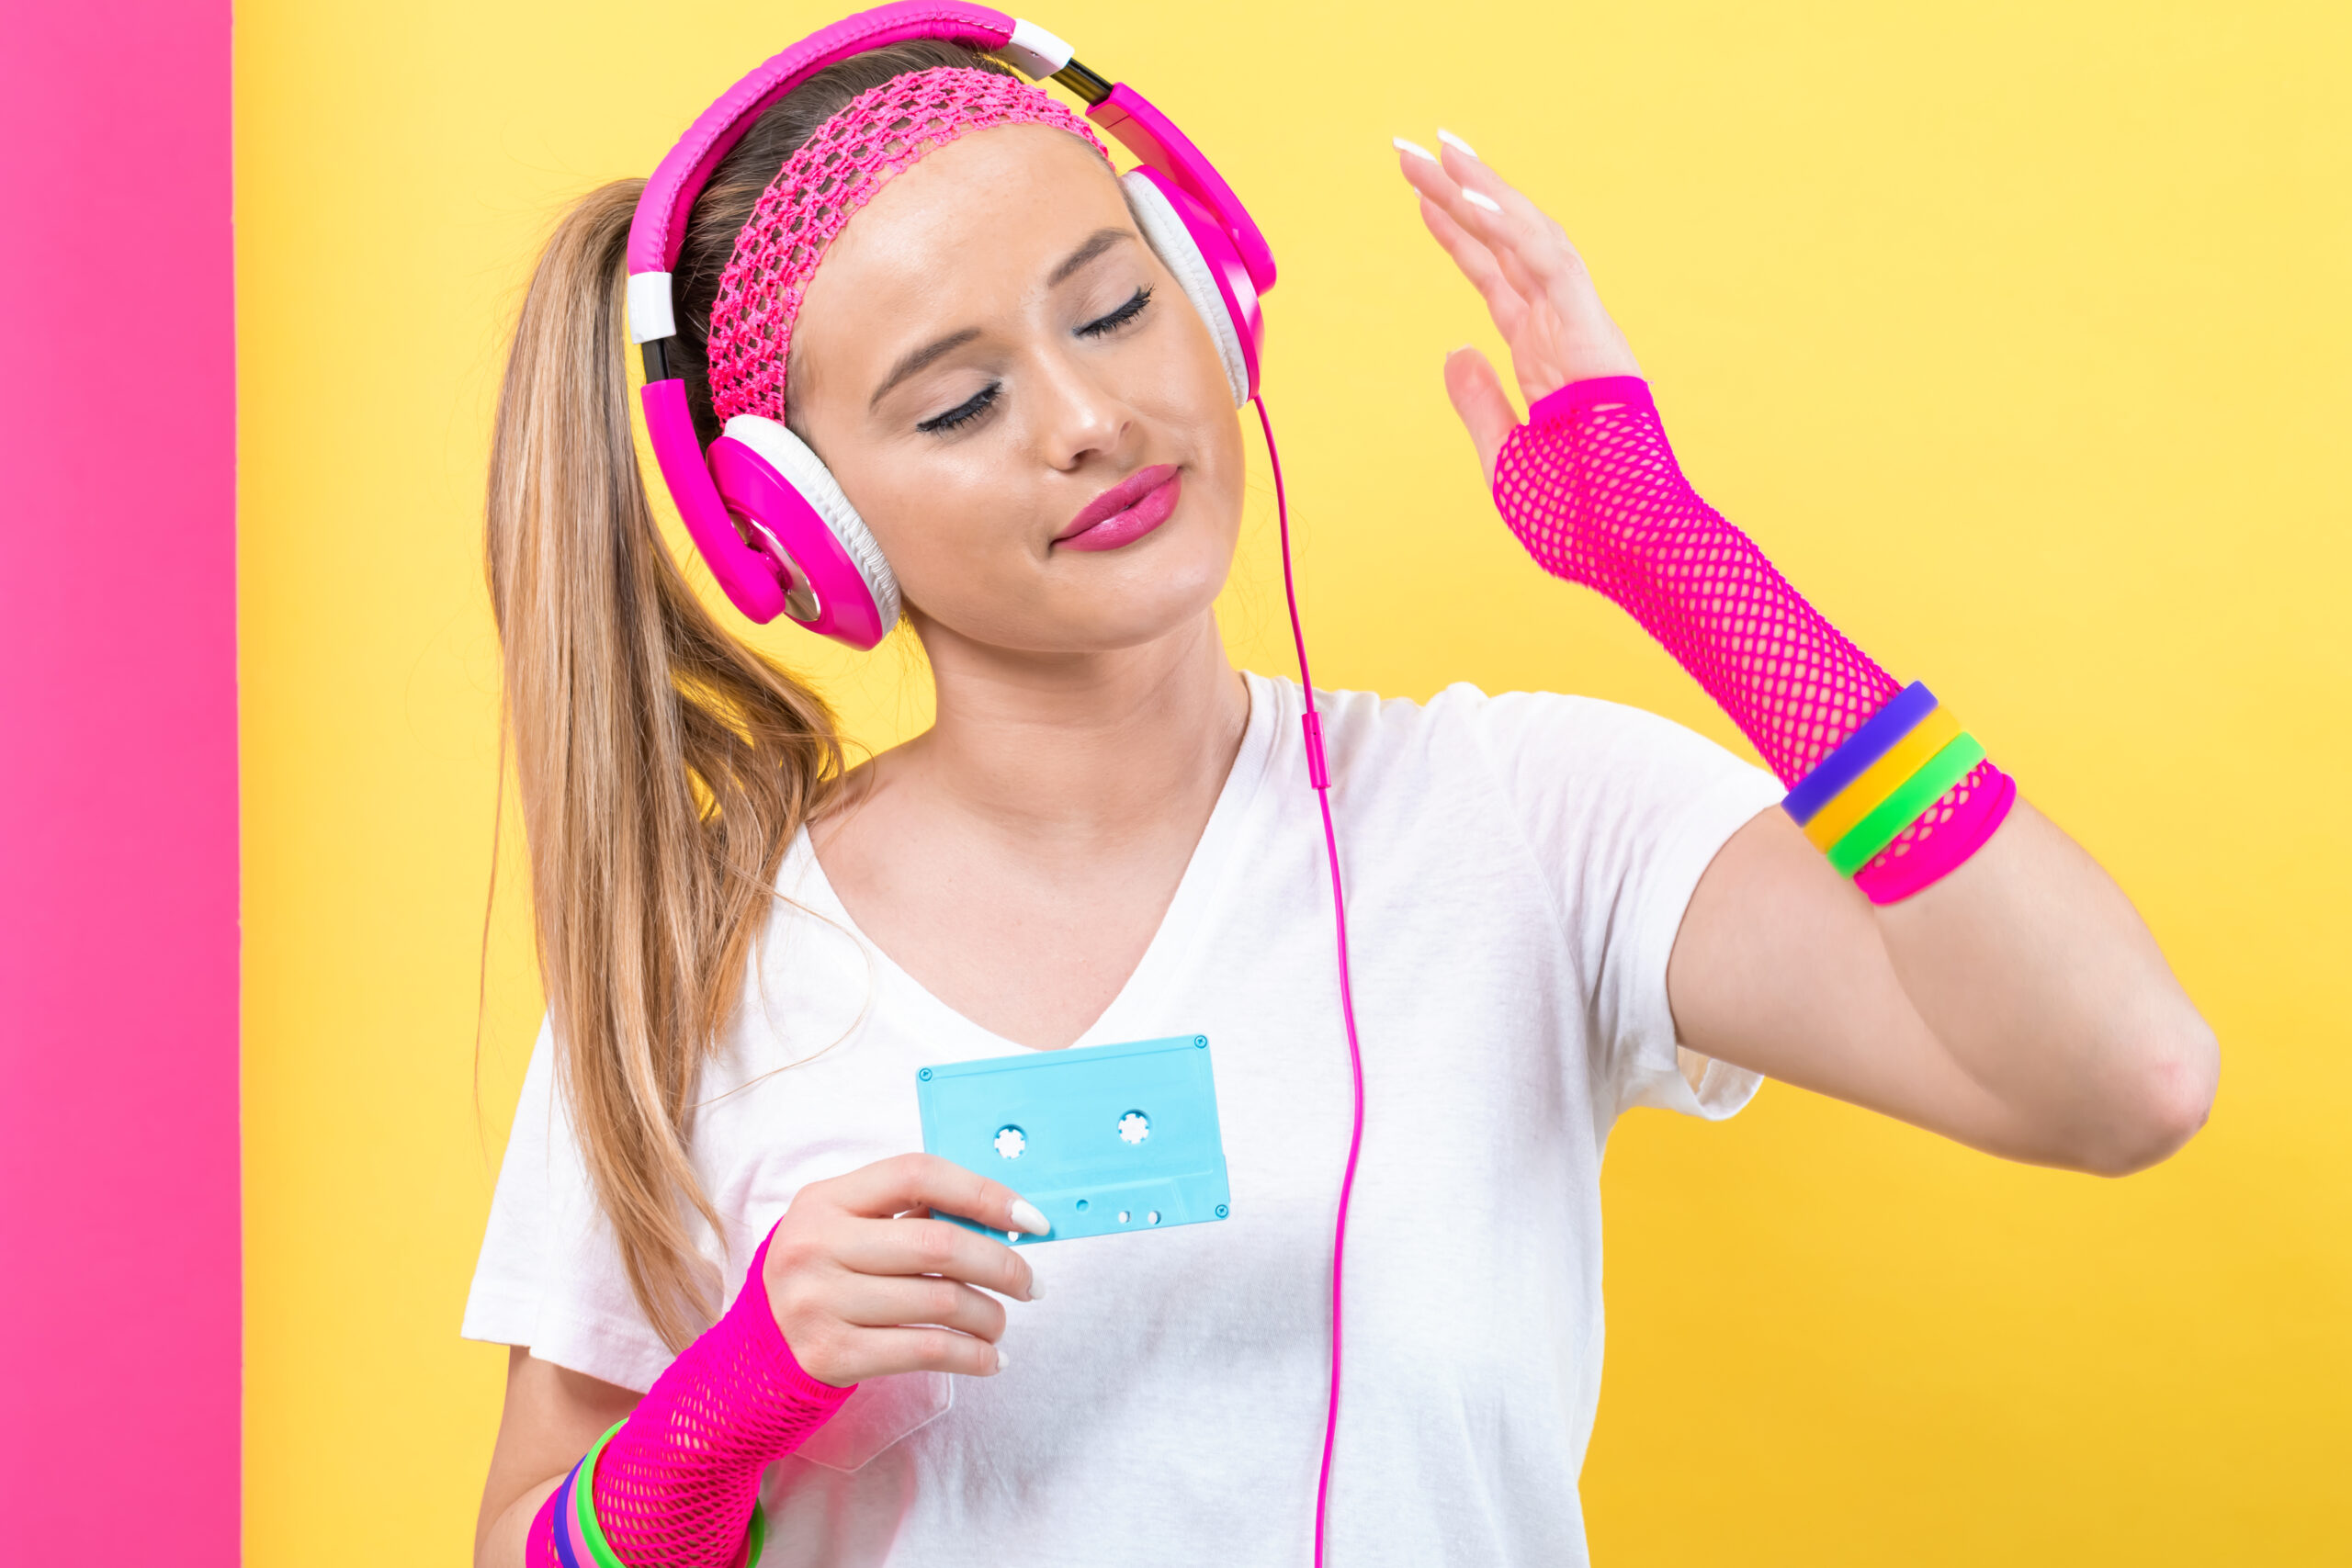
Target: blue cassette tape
(1100, 1138)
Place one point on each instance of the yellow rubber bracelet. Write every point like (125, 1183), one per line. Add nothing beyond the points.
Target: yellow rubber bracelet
(1881, 779)
(1905, 806)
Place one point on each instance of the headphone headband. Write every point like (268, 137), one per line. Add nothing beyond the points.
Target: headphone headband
(659, 229)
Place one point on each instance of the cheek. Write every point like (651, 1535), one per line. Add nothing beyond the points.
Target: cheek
(946, 518)
(1197, 404)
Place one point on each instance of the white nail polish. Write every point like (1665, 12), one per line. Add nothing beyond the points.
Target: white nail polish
(1415, 148)
(1036, 1286)
(1003, 1360)
(1457, 142)
(1479, 198)
(1025, 1217)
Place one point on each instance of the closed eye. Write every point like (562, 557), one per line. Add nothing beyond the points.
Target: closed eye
(963, 414)
(1105, 325)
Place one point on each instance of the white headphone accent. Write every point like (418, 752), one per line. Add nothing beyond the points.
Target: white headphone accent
(1174, 246)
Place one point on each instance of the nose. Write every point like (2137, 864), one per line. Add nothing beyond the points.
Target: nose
(1078, 417)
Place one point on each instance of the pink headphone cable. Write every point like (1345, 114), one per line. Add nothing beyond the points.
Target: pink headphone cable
(1319, 774)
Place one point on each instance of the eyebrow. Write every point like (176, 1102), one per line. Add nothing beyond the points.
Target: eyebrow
(928, 355)
(934, 352)
(1096, 243)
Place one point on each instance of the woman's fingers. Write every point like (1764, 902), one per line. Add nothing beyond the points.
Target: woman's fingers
(933, 1246)
(1504, 305)
(872, 1302)
(1457, 223)
(1532, 279)
(1472, 197)
(1478, 397)
(906, 1182)
(1525, 240)
(1438, 192)
(856, 1260)
(876, 1352)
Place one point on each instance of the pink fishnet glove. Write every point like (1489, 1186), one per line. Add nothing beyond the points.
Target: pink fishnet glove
(1590, 487)
(675, 1486)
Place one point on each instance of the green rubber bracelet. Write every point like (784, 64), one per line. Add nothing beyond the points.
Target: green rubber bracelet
(584, 1495)
(584, 1503)
(1902, 808)
(759, 1537)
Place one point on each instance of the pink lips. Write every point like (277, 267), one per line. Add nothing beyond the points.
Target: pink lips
(1125, 512)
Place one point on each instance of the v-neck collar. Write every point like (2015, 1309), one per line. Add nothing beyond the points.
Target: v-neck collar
(1130, 1014)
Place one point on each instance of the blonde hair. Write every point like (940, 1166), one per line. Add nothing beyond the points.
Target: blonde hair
(664, 764)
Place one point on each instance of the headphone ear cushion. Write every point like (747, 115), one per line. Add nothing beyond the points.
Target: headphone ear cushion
(806, 472)
(1176, 248)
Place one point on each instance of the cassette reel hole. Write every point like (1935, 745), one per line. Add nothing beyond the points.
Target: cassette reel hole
(1134, 1127)
(1152, 1218)
(1123, 1216)
(1081, 1205)
(1011, 1141)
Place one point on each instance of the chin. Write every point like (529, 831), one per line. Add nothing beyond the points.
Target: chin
(1152, 595)
(1139, 610)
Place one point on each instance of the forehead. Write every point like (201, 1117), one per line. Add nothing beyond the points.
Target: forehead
(976, 223)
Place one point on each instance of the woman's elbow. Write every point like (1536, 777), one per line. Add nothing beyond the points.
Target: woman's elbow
(2164, 1097)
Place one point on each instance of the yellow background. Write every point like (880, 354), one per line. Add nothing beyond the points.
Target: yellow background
(2015, 332)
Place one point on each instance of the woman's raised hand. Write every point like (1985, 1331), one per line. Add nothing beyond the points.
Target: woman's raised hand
(864, 1282)
(1535, 283)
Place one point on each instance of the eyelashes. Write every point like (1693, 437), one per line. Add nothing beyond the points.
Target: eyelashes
(963, 414)
(980, 402)
(1119, 317)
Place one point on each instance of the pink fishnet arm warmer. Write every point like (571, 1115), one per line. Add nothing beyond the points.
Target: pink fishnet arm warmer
(677, 1484)
(1590, 487)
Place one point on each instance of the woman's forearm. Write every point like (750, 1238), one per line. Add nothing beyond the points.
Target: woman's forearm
(2035, 973)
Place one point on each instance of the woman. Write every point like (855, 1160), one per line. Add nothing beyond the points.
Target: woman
(1559, 908)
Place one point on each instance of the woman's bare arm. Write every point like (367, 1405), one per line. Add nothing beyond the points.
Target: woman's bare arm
(2018, 1005)
(552, 1417)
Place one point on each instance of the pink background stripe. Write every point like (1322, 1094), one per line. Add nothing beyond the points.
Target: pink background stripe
(118, 1204)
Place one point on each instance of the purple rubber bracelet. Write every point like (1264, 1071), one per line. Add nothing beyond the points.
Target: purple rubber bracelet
(1878, 734)
(563, 1520)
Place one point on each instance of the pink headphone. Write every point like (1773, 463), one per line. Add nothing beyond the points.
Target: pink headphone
(812, 558)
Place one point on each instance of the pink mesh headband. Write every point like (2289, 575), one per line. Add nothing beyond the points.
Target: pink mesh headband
(873, 138)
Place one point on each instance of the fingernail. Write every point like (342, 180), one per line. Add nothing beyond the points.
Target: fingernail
(1478, 199)
(1003, 1360)
(1415, 148)
(1036, 1286)
(1457, 142)
(1025, 1217)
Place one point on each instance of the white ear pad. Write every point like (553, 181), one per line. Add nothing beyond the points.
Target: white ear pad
(806, 472)
(1173, 244)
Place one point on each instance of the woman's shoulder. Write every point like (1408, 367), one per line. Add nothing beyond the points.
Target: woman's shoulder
(1463, 717)
(1546, 758)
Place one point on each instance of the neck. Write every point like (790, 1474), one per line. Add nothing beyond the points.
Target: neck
(1079, 750)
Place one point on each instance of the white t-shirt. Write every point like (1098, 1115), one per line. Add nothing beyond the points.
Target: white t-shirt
(1516, 867)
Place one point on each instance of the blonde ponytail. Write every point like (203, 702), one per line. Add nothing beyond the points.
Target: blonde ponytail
(664, 765)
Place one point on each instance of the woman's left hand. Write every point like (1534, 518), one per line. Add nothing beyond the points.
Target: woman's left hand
(1535, 283)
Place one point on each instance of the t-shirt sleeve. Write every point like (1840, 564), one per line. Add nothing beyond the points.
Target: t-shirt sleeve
(1623, 811)
(549, 1277)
